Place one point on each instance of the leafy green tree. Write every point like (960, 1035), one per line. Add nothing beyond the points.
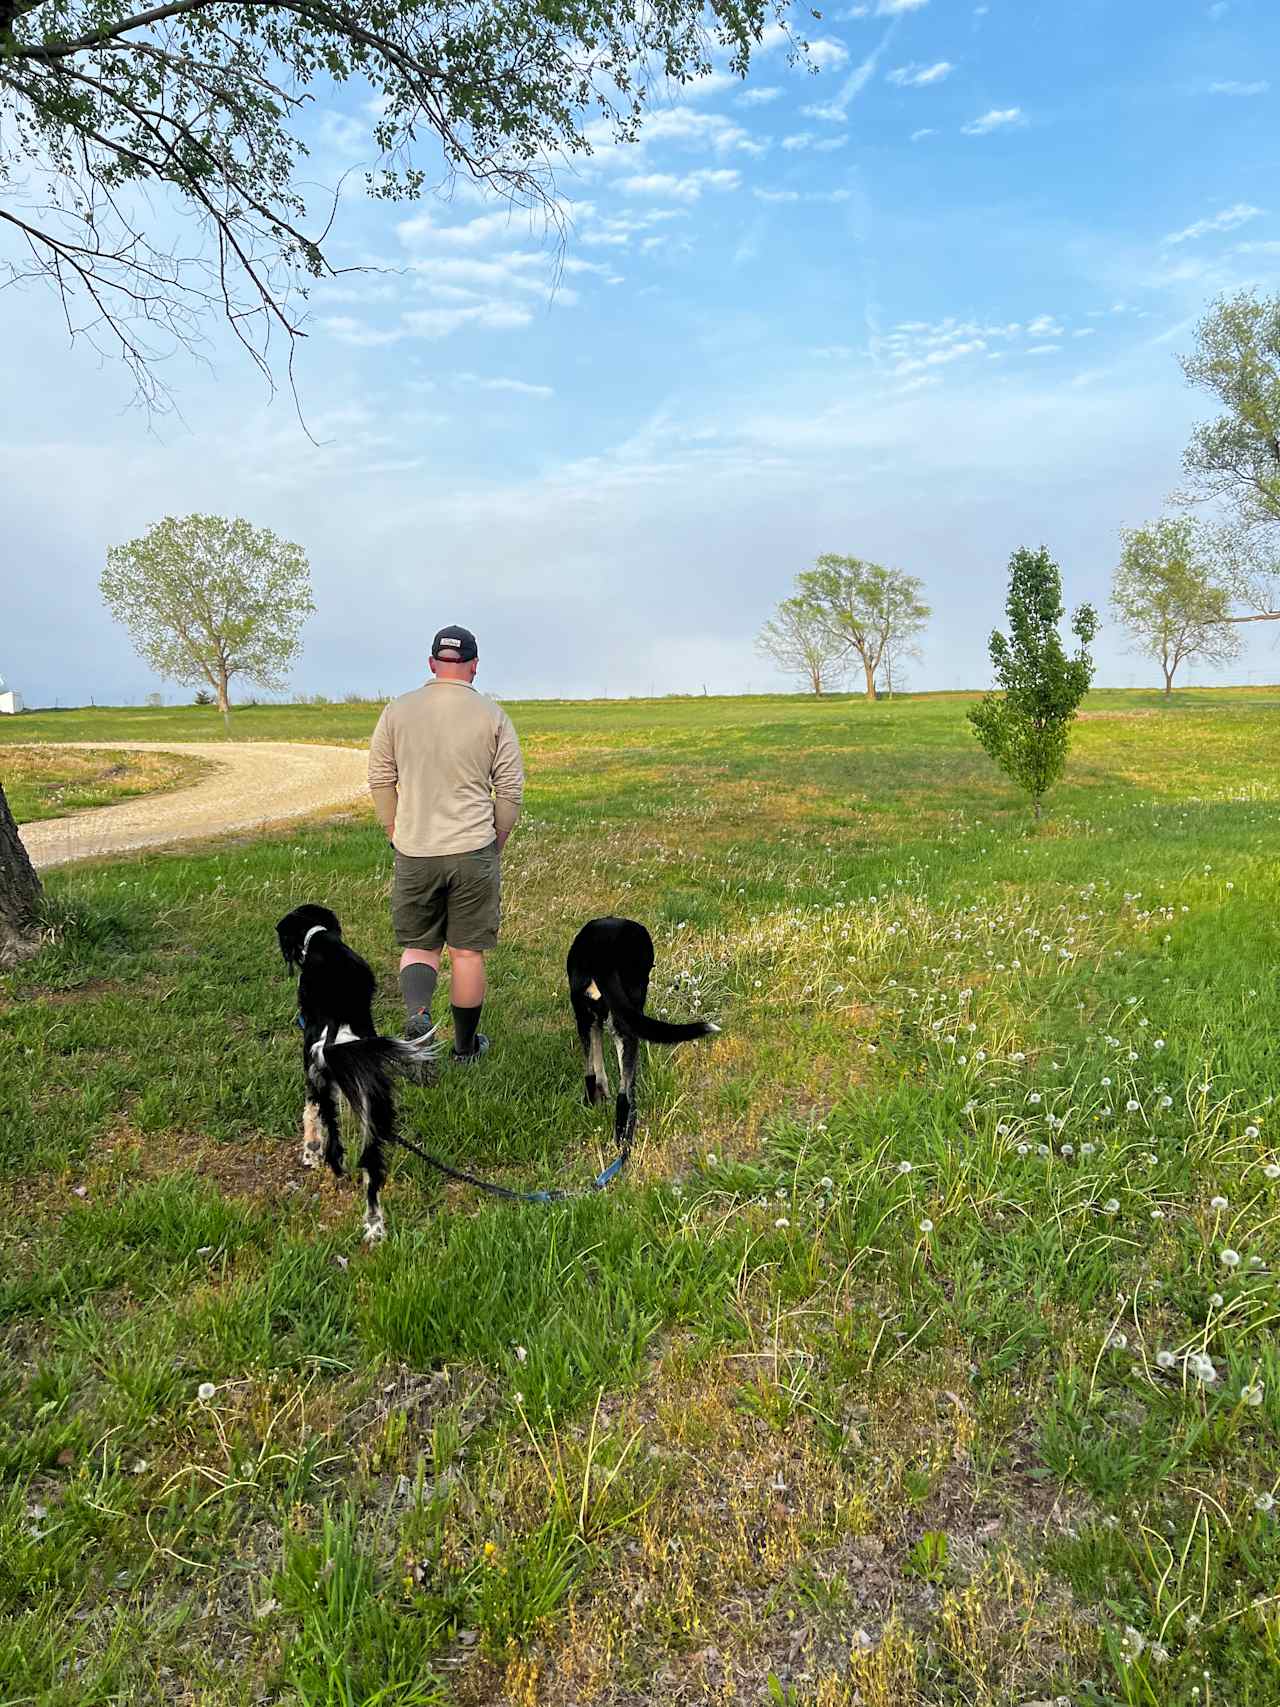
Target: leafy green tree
(1026, 725)
(1234, 459)
(205, 599)
(799, 641)
(1164, 594)
(1236, 456)
(199, 104)
(864, 608)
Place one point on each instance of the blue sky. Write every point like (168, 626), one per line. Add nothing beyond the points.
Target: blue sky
(921, 303)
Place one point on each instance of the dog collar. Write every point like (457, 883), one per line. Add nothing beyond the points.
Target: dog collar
(306, 941)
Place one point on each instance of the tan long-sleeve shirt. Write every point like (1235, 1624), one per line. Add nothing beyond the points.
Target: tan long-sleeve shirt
(445, 770)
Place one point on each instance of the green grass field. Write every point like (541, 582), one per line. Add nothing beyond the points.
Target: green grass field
(925, 1354)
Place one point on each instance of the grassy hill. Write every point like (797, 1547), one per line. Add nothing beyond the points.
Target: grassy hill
(909, 1362)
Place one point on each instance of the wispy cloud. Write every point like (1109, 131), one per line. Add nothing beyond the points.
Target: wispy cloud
(424, 228)
(1259, 88)
(919, 135)
(830, 112)
(999, 118)
(895, 8)
(686, 188)
(915, 76)
(489, 316)
(759, 97)
(802, 139)
(1240, 213)
(801, 195)
(522, 388)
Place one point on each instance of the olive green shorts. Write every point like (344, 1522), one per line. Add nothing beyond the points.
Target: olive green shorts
(447, 899)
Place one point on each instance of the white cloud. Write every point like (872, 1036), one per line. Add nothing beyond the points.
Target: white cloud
(1271, 247)
(997, 119)
(486, 316)
(915, 76)
(477, 382)
(802, 139)
(350, 331)
(895, 8)
(1240, 213)
(828, 55)
(831, 112)
(688, 188)
(758, 97)
(829, 144)
(801, 196)
(470, 235)
(685, 125)
(490, 316)
(1044, 326)
(1043, 349)
(1229, 88)
(919, 135)
(520, 269)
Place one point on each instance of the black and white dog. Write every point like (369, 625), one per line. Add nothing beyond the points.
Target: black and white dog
(609, 966)
(342, 1051)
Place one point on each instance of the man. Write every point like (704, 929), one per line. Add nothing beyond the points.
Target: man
(447, 780)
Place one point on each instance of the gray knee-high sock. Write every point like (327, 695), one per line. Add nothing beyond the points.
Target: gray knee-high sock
(417, 986)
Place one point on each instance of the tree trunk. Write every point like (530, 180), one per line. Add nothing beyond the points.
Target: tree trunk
(19, 894)
(870, 673)
(224, 698)
(1168, 680)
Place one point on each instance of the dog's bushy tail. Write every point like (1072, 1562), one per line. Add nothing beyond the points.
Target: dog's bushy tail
(362, 1069)
(630, 1018)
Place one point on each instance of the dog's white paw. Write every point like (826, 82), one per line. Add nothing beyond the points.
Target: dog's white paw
(312, 1155)
(375, 1229)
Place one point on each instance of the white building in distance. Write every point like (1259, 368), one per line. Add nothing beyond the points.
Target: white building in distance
(10, 701)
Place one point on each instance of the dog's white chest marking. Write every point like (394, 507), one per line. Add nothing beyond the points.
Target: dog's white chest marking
(593, 990)
(344, 1034)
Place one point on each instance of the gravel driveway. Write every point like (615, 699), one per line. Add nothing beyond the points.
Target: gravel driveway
(252, 783)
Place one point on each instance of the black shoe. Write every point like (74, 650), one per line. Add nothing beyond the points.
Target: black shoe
(480, 1047)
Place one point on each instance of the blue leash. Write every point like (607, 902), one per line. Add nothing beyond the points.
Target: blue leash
(602, 1179)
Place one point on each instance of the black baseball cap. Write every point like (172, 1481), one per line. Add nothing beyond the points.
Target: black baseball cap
(455, 645)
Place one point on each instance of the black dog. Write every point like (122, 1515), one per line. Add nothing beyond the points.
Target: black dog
(341, 1050)
(609, 967)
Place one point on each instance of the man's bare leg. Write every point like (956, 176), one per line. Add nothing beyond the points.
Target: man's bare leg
(467, 993)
